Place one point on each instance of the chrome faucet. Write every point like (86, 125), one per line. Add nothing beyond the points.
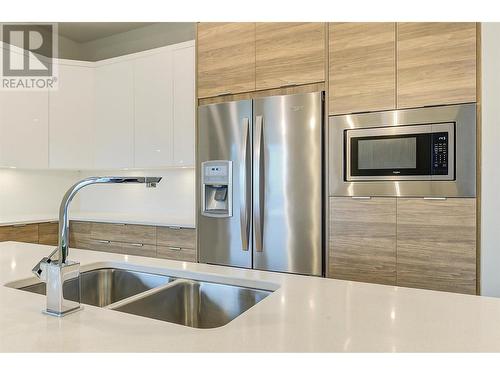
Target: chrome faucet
(56, 271)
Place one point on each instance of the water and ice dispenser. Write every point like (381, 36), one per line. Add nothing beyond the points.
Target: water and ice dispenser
(217, 188)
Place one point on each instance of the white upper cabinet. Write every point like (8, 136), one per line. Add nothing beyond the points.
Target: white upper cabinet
(153, 110)
(184, 106)
(24, 129)
(114, 115)
(71, 113)
(133, 111)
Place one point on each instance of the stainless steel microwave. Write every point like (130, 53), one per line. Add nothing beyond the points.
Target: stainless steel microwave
(428, 152)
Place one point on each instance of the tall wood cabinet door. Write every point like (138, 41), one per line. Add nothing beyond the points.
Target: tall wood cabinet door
(226, 58)
(436, 63)
(362, 67)
(289, 53)
(362, 243)
(437, 244)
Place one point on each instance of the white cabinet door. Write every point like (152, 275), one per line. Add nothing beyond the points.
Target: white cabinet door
(184, 106)
(71, 114)
(153, 110)
(114, 125)
(24, 129)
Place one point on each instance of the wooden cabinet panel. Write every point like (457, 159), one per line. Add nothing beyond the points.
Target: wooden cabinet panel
(20, 233)
(139, 249)
(362, 67)
(176, 253)
(436, 63)
(79, 233)
(362, 243)
(288, 53)
(182, 237)
(437, 244)
(47, 233)
(131, 233)
(226, 58)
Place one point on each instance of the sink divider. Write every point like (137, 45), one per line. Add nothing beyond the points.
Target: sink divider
(144, 294)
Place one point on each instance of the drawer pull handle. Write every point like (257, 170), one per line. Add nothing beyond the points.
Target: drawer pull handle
(224, 93)
(175, 248)
(435, 198)
(137, 244)
(174, 228)
(366, 198)
(103, 241)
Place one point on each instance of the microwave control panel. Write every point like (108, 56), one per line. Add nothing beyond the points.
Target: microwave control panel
(439, 153)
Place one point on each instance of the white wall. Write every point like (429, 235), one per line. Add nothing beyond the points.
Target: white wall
(32, 193)
(171, 202)
(36, 195)
(490, 173)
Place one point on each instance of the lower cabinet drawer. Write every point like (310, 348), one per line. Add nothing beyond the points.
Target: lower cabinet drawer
(170, 236)
(176, 253)
(119, 247)
(20, 233)
(47, 233)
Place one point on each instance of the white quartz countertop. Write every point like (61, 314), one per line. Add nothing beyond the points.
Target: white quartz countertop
(303, 314)
(172, 220)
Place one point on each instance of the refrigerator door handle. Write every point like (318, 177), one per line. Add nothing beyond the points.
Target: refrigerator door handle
(258, 207)
(244, 187)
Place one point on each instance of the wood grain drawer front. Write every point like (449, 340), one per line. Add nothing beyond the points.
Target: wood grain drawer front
(139, 249)
(176, 253)
(436, 63)
(124, 233)
(226, 58)
(289, 53)
(177, 237)
(47, 233)
(362, 243)
(437, 244)
(362, 67)
(20, 233)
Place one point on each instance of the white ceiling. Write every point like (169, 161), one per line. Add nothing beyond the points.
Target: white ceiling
(82, 32)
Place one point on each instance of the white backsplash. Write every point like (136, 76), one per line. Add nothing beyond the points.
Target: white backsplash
(28, 194)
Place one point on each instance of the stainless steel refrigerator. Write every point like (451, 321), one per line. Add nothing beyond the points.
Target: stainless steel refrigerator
(260, 166)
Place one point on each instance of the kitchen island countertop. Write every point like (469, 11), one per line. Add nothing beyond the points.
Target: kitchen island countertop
(303, 314)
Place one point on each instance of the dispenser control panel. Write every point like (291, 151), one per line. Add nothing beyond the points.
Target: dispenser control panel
(217, 188)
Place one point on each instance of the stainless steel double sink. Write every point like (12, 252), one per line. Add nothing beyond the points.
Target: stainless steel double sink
(193, 303)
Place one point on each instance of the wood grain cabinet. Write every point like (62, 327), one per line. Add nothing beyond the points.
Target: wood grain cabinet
(362, 245)
(436, 63)
(226, 58)
(19, 233)
(48, 233)
(436, 247)
(176, 243)
(144, 240)
(289, 54)
(362, 67)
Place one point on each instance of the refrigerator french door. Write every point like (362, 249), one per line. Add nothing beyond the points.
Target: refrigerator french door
(264, 156)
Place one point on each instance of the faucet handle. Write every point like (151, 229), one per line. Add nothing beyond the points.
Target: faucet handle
(40, 269)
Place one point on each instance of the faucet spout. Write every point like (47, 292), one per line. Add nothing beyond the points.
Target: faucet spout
(55, 271)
